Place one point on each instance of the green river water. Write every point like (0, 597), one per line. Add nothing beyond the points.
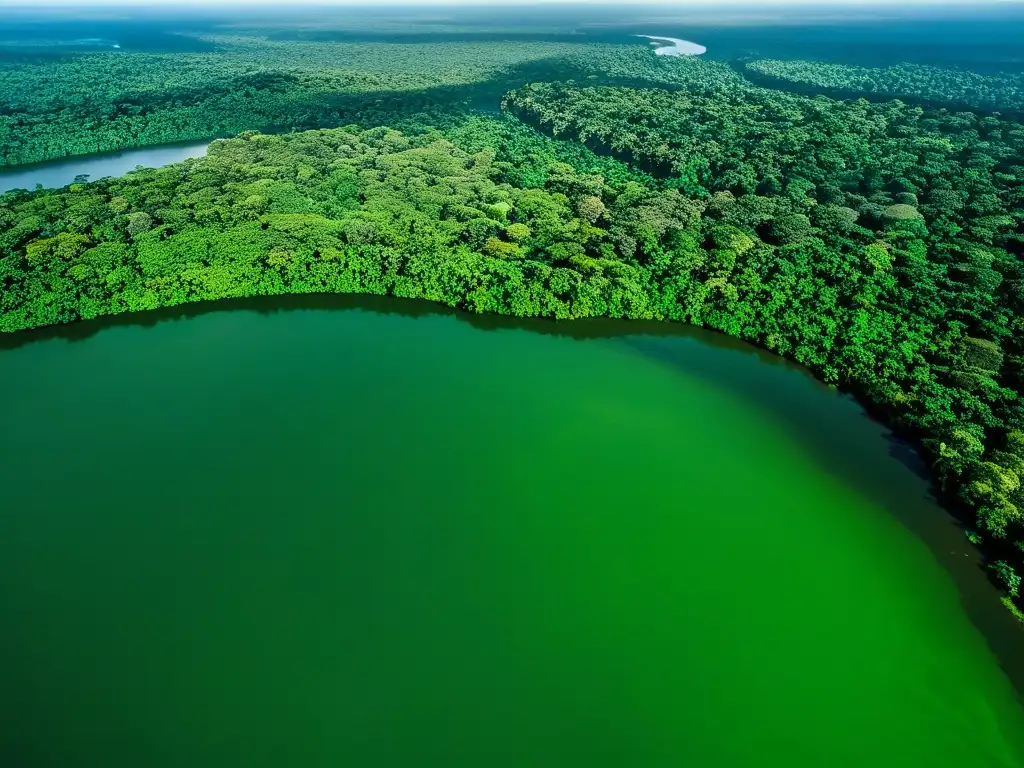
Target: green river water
(388, 535)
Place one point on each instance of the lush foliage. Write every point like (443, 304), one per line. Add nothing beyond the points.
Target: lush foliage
(877, 243)
(955, 87)
(335, 210)
(112, 100)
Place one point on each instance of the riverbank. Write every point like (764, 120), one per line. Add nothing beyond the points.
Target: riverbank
(250, 249)
(915, 507)
(677, 48)
(53, 174)
(788, 502)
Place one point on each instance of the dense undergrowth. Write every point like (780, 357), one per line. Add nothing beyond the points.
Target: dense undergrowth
(878, 244)
(107, 101)
(955, 88)
(895, 246)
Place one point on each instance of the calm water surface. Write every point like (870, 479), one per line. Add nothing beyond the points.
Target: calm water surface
(677, 48)
(322, 537)
(60, 173)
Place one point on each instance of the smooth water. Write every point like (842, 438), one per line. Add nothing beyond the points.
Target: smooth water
(60, 173)
(321, 537)
(677, 48)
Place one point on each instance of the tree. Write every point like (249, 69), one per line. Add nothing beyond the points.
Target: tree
(961, 448)
(835, 219)
(901, 212)
(982, 354)
(791, 228)
(591, 209)
(517, 232)
(139, 222)
(1007, 576)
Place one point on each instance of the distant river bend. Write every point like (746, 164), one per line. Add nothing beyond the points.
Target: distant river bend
(677, 48)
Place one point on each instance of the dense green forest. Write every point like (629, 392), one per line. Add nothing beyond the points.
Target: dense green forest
(876, 242)
(953, 87)
(879, 244)
(97, 102)
(102, 101)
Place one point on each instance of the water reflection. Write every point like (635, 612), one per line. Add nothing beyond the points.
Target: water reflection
(60, 173)
(836, 429)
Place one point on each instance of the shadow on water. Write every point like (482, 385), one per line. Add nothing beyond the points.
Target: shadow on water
(836, 429)
(594, 328)
(844, 438)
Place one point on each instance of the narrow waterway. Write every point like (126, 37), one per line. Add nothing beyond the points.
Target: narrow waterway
(60, 173)
(324, 530)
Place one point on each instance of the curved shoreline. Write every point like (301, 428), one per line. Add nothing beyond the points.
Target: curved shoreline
(677, 48)
(975, 584)
(235, 342)
(998, 626)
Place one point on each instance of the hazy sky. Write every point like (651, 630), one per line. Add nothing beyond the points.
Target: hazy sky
(676, 4)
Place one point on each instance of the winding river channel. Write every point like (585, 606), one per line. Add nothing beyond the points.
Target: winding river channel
(60, 173)
(332, 530)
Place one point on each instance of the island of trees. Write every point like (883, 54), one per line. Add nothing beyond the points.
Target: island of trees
(877, 242)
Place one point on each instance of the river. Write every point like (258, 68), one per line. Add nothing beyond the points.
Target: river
(325, 530)
(60, 173)
(677, 48)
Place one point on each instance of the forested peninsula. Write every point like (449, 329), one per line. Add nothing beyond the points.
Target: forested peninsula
(876, 242)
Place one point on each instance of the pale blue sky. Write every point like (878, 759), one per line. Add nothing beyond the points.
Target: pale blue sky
(675, 4)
